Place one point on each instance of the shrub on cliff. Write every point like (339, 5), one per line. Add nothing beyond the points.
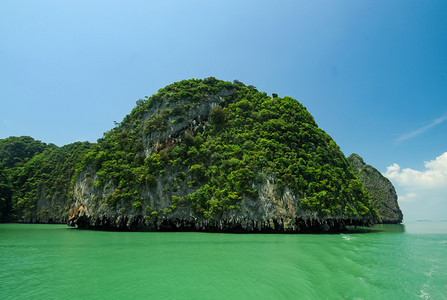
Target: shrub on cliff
(247, 136)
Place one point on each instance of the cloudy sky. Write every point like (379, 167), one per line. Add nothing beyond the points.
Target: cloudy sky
(373, 73)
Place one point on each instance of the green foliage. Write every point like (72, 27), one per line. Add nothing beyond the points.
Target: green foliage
(47, 175)
(33, 170)
(5, 193)
(247, 136)
(15, 153)
(247, 139)
(217, 115)
(157, 122)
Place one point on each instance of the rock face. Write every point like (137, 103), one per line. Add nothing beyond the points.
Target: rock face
(272, 211)
(381, 190)
(208, 155)
(200, 155)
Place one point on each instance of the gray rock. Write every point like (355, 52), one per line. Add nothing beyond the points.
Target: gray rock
(380, 189)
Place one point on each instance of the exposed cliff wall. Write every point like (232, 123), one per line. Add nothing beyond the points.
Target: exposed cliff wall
(200, 155)
(272, 211)
(381, 190)
(216, 156)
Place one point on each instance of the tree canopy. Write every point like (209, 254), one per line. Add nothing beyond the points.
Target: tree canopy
(207, 144)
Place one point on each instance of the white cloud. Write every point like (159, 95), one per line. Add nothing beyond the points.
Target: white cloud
(410, 197)
(435, 174)
(422, 193)
(422, 129)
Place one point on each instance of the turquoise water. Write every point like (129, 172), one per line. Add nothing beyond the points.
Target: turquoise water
(388, 262)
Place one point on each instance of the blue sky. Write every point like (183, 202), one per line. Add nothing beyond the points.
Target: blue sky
(372, 73)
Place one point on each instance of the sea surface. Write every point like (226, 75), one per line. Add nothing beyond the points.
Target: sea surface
(385, 262)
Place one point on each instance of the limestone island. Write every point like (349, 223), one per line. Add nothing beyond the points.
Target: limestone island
(200, 155)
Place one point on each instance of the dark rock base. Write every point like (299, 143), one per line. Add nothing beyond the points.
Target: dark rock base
(224, 226)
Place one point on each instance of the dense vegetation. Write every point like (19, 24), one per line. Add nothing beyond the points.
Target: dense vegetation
(5, 193)
(15, 152)
(208, 144)
(247, 138)
(32, 171)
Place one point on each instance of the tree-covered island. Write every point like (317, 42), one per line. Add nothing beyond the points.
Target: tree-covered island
(200, 155)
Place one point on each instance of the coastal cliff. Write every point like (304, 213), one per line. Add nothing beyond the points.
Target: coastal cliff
(381, 190)
(200, 155)
(218, 156)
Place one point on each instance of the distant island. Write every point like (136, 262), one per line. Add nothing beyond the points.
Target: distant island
(200, 155)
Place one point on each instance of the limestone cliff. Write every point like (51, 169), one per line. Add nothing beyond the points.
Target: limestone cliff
(218, 156)
(381, 190)
(199, 155)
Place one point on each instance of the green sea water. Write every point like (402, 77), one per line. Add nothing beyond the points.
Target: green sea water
(386, 262)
